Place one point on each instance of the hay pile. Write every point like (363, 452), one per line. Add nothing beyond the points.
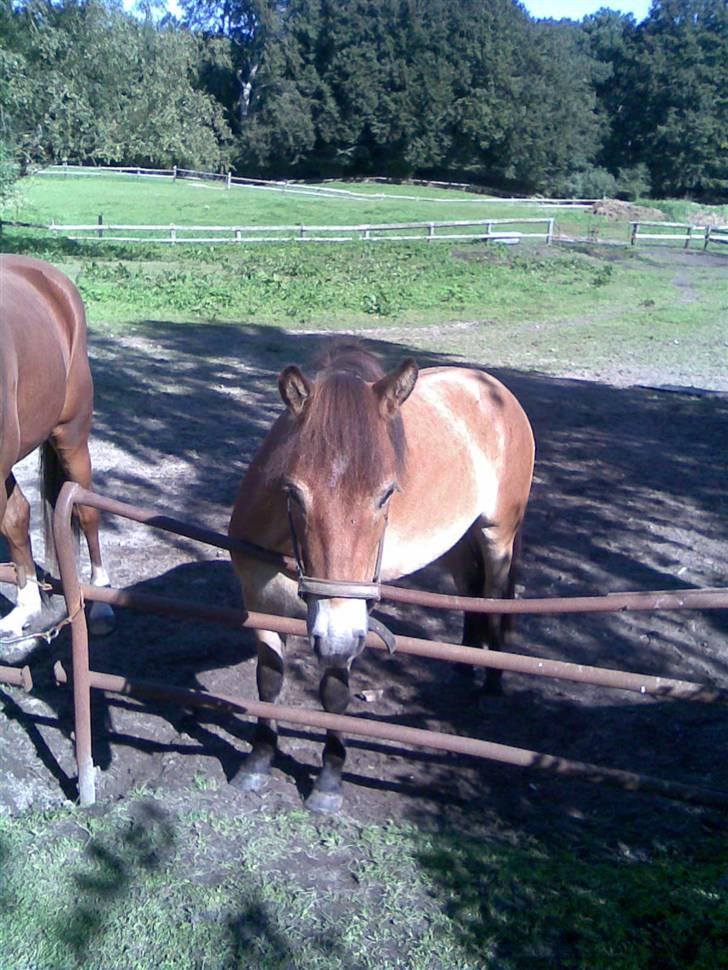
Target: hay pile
(626, 211)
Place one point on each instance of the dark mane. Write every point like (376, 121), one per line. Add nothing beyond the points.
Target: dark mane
(341, 430)
(351, 357)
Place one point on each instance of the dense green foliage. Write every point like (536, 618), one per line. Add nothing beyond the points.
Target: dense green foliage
(464, 90)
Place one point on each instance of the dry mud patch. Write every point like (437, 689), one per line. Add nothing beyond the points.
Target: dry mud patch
(629, 494)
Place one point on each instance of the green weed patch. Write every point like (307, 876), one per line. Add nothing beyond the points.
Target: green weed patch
(144, 887)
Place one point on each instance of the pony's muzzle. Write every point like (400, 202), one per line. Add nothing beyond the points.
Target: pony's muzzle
(337, 628)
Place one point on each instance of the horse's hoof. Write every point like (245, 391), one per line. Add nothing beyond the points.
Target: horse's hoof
(101, 619)
(249, 780)
(484, 681)
(324, 802)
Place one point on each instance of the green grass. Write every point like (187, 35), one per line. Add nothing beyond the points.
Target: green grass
(144, 887)
(81, 199)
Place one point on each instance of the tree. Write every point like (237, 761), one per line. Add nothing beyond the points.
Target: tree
(132, 97)
(684, 96)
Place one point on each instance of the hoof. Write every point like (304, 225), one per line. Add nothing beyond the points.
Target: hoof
(101, 619)
(249, 780)
(324, 802)
(484, 681)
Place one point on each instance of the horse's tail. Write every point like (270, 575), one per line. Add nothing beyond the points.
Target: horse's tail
(52, 479)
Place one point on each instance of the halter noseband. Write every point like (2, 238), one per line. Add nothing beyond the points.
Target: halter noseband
(339, 589)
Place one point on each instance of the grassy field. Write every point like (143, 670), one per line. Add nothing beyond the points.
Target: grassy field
(139, 885)
(80, 200)
(340, 286)
(180, 884)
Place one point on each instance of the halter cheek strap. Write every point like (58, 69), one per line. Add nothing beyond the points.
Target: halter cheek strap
(330, 588)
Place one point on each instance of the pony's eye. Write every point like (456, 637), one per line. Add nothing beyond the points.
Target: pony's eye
(294, 493)
(386, 495)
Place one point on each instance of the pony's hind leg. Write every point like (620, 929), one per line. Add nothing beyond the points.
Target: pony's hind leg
(269, 674)
(15, 526)
(327, 796)
(485, 567)
(66, 456)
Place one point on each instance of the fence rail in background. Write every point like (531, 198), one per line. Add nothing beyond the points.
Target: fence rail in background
(302, 187)
(716, 234)
(687, 233)
(487, 230)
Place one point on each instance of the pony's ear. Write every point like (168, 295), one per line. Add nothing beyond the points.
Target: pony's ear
(295, 389)
(394, 388)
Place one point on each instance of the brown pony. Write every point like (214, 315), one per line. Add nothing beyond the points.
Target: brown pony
(46, 399)
(366, 473)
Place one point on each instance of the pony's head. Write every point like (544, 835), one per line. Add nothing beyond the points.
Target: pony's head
(344, 459)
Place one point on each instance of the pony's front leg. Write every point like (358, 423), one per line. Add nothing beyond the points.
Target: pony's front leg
(327, 790)
(256, 767)
(15, 526)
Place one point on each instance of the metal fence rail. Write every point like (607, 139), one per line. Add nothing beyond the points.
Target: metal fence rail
(85, 679)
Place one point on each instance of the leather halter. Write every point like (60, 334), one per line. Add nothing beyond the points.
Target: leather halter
(339, 589)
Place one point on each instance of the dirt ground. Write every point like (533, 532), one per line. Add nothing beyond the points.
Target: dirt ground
(629, 494)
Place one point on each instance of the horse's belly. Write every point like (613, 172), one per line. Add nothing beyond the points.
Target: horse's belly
(34, 381)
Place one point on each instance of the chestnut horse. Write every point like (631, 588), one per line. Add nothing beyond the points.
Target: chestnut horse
(46, 399)
(367, 473)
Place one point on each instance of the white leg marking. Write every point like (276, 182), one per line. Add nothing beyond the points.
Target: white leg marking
(27, 606)
(99, 576)
(100, 615)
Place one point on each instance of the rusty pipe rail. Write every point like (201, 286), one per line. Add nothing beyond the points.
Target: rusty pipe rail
(17, 677)
(702, 599)
(418, 737)
(72, 494)
(663, 687)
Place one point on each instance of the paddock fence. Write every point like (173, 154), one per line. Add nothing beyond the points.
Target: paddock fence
(481, 230)
(322, 189)
(678, 231)
(84, 680)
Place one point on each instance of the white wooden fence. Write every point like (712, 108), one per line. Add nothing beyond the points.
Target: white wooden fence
(321, 190)
(684, 232)
(488, 230)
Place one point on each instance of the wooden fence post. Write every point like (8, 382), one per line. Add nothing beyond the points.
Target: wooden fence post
(229, 179)
(635, 228)
(707, 237)
(173, 234)
(430, 231)
(174, 174)
(550, 232)
(100, 222)
(238, 237)
(688, 236)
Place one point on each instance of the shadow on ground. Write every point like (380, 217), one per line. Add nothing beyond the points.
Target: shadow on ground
(629, 495)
